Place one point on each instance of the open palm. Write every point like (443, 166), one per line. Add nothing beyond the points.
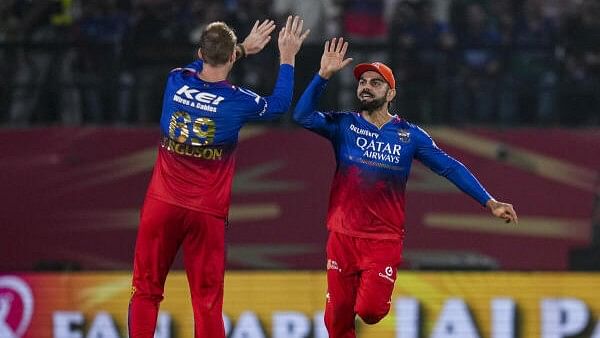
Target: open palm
(291, 38)
(259, 36)
(332, 59)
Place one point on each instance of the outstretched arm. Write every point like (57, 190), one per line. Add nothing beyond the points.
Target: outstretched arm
(444, 165)
(289, 41)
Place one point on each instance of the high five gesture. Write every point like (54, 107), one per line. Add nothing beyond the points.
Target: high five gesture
(333, 57)
(258, 38)
(290, 39)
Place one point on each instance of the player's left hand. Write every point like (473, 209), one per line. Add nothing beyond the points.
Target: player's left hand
(259, 36)
(502, 210)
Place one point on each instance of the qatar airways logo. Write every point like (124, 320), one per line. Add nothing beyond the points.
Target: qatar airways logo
(377, 150)
(16, 307)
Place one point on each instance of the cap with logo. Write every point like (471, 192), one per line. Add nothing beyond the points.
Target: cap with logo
(377, 67)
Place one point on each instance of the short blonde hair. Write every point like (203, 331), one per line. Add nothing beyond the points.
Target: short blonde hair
(217, 43)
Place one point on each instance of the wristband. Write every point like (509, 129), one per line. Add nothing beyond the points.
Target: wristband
(242, 50)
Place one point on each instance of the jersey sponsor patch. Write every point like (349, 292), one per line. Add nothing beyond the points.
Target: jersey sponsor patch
(361, 131)
(388, 274)
(333, 265)
(196, 99)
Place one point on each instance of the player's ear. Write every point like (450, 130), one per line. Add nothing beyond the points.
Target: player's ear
(391, 94)
(199, 53)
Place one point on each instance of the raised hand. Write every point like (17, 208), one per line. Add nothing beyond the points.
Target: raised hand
(332, 59)
(290, 39)
(502, 210)
(259, 36)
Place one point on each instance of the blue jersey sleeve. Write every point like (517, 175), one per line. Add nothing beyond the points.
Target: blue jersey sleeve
(306, 113)
(279, 101)
(445, 165)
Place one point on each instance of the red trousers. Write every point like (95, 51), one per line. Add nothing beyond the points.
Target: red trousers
(163, 229)
(360, 279)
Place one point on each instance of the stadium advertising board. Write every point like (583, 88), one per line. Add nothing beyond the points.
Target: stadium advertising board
(289, 305)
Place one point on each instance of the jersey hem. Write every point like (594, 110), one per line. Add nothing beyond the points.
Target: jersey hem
(366, 235)
(204, 210)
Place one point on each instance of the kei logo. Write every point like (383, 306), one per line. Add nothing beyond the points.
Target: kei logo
(195, 94)
(16, 307)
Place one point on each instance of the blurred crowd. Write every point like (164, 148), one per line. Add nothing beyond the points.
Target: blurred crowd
(490, 62)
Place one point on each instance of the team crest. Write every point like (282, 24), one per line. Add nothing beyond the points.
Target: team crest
(404, 135)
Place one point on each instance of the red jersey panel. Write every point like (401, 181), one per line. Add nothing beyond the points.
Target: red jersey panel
(202, 184)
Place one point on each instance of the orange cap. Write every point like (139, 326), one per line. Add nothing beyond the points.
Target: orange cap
(378, 67)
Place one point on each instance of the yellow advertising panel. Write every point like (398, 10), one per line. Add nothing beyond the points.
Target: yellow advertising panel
(290, 305)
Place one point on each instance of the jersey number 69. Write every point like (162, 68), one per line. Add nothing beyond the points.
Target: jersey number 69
(202, 129)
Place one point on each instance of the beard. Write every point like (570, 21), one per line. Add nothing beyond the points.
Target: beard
(372, 105)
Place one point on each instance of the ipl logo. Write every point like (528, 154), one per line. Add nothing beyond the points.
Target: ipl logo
(16, 307)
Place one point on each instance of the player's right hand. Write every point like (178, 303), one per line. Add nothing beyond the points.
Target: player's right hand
(291, 38)
(332, 59)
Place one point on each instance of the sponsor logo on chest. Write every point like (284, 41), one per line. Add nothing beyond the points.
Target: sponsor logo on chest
(375, 148)
(196, 99)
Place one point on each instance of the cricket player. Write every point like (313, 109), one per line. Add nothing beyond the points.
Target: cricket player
(189, 193)
(374, 151)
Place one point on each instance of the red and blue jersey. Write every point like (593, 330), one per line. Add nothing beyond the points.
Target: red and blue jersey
(200, 123)
(373, 164)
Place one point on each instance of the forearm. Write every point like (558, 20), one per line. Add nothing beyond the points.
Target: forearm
(467, 182)
(307, 105)
(280, 99)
